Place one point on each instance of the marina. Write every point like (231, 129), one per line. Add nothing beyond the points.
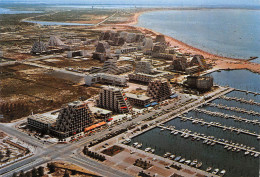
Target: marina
(221, 133)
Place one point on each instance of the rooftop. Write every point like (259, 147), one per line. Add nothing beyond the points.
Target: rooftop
(138, 97)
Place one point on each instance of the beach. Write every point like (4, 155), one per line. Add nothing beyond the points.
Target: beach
(219, 62)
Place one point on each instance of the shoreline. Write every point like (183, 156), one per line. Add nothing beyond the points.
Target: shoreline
(221, 62)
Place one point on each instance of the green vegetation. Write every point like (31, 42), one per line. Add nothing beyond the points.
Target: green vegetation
(15, 19)
(75, 15)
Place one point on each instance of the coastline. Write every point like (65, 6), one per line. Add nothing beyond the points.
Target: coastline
(221, 62)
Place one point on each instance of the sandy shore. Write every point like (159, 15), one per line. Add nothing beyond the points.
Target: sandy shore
(220, 61)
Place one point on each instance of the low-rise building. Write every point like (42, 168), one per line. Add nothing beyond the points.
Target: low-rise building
(41, 122)
(138, 100)
(100, 113)
(200, 82)
(105, 78)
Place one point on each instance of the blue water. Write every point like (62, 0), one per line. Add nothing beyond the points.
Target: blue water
(226, 32)
(58, 23)
(240, 79)
(8, 11)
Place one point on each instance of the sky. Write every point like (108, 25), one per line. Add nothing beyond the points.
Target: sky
(172, 2)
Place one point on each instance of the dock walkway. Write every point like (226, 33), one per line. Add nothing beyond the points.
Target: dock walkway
(233, 145)
(227, 116)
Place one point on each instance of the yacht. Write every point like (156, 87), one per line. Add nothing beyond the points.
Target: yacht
(246, 153)
(172, 132)
(167, 154)
(139, 145)
(215, 171)
(194, 162)
(177, 158)
(135, 144)
(222, 172)
(172, 157)
(147, 149)
(256, 155)
(127, 141)
(187, 162)
(198, 165)
(205, 141)
(208, 169)
(152, 150)
(176, 133)
(186, 136)
(182, 160)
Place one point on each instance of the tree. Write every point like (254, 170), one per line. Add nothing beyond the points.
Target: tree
(51, 167)
(34, 172)
(41, 171)
(1, 155)
(28, 174)
(8, 152)
(73, 172)
(66, 174)
(22, 174)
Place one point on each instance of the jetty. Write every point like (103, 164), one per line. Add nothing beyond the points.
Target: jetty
(241, 110)
(241, 100)
(217, 124)
(227, 116)
(213, 140)
(246, 91)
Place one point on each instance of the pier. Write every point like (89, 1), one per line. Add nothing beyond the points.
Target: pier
(246, 91)
(216, 124)
(213, 140)
(241, 110)
(227, 116)
(241, 100)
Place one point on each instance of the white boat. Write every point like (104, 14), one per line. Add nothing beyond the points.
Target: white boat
(194, 162)
(172, 157)
(215, 171)
(167, 154)
(176, 133)
(246, 153)
(147, 149)
(135, 144)
(139, 145)
(222, 172)
(152, 150)
(208, 169)
(182, 160)
(198, 165)
(177, 158)
(186, 136)
(256, 155)
(187, 162)
(127, 141)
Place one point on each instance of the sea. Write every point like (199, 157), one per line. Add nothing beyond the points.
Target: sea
(225, 32)
(9, 11)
